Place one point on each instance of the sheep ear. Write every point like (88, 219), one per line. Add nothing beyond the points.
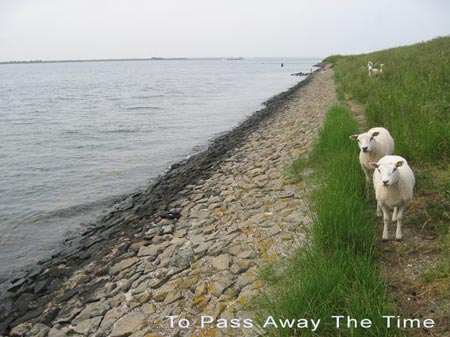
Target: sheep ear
(376, 133)
(353, 137)
(399, 163)
(374, 165)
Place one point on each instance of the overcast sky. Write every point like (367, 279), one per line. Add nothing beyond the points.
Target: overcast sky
(86, 29)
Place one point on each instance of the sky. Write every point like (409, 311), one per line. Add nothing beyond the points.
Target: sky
(96, 29)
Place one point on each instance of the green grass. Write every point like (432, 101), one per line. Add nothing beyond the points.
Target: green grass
(332, 58)
(337, 273)
(343, 221)
(411, 98)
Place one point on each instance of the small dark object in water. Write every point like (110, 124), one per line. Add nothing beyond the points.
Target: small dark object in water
(170, 214)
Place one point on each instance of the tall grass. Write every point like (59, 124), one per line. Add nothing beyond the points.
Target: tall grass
(411, 98)
(336, 274)
(342, 217)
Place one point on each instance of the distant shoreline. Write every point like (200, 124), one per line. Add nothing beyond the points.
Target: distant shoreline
(96, 60)
(225, 58)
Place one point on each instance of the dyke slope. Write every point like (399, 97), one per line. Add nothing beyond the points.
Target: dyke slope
(123, 275)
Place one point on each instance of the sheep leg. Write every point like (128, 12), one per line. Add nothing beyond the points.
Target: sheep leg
(385, 210)
(368, 181)
(368, 177)
(398, 233)
(394, 214)
(379, 211)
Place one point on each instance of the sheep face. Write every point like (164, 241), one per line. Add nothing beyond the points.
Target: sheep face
(366, 141)
(388, 172)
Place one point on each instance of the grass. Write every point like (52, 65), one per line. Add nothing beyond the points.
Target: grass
(337, 273)
(412, 100)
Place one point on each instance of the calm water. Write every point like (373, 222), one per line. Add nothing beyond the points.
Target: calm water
(75, 136)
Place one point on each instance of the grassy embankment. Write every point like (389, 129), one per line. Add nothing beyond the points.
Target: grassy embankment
(412, 99)
(340, 272)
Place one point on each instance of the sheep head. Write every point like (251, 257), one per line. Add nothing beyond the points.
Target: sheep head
(388, 172)
(366, 141)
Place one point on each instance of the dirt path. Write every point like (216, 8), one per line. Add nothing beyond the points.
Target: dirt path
(406, 263)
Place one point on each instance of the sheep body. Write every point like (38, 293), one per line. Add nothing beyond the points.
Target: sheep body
(373, 72)
(374, 144)
(393, 182)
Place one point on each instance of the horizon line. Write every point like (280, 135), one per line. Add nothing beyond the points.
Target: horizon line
(231, 58)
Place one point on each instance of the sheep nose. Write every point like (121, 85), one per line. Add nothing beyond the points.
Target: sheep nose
(385, 182)
(364, 149)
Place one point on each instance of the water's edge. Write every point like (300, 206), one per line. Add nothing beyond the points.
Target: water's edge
(125, 217)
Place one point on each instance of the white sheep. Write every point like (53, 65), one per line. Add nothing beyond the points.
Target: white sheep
(374, 144)
(393, 181)
(373, 72)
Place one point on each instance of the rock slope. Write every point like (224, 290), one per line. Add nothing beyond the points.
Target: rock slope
(233, 220)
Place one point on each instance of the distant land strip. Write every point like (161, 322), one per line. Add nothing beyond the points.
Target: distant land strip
(111, 60)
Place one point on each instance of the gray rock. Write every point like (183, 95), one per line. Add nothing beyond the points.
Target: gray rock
(38, 330)
(221, 262)
(152, 250)
(118, 267)
(109, 319)
(202, 248)
(21, 329)
(129, 324)
(182, 258)
(54, 332)
(87, 327)
(172, 297)
(92, 310)
(239, 266)
(219, 283)
(167, 229)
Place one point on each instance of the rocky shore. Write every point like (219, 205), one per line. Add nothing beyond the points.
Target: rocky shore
(136, 266)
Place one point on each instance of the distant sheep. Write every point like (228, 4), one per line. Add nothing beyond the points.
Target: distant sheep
(374, 144)
(393, 182)
(373, 72)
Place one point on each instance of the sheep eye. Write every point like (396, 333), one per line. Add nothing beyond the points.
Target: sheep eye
(395, 169)
(371, 138)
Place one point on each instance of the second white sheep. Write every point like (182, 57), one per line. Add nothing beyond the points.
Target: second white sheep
(393, 181)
